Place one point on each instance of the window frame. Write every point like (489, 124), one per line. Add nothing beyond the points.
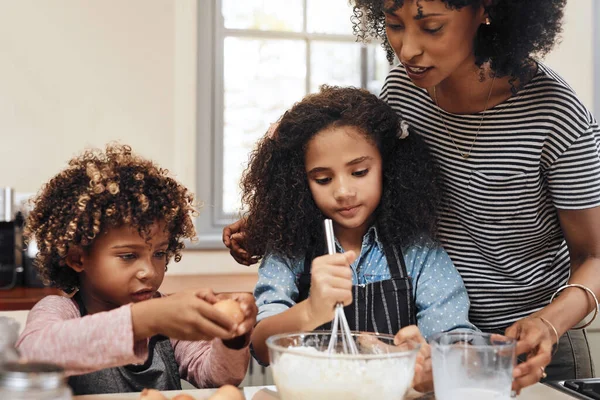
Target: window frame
(211, 36)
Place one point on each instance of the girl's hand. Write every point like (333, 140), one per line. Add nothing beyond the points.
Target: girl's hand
(188, 315)
(330, 283)
(234, 239)
(535, 340)
(423, 379)
(249, 308)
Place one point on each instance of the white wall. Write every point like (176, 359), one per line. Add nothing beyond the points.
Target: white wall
(75, 74)
(573, 58)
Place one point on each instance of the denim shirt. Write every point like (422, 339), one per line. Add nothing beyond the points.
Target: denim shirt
(441, 299)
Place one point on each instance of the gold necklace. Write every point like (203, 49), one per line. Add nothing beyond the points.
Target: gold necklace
(464, 155)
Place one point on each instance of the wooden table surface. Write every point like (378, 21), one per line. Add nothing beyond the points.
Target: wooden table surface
(23, 298)
(535, 392)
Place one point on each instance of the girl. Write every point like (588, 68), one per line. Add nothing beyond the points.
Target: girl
(342, 154)
(106, 228)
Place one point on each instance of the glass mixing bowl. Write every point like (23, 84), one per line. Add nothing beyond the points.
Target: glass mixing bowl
(304, 370)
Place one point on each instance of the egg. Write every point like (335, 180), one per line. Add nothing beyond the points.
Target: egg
(152, 394)
(227, 392)
(183, 397)
(231, 308)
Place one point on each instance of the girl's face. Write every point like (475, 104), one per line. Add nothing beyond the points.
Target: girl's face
(121, 267)
(344, 175)
(435, 45)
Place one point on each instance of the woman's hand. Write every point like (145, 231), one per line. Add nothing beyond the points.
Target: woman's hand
(188, 315)
(235, 240)
(423, 379)
(330, 283)
(535, 340)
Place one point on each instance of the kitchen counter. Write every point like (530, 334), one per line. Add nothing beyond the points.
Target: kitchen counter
(535, 392)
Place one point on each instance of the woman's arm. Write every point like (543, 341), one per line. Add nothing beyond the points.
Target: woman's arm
(574, 184)
(581, 229)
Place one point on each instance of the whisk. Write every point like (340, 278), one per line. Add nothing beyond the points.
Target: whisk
(339, 320)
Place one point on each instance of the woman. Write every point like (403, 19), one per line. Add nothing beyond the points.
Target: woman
(518, 154)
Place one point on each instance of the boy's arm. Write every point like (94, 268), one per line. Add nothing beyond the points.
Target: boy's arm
(440, 295)
(55, 332)
(211, 364)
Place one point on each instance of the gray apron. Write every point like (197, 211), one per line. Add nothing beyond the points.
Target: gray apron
(160, 371)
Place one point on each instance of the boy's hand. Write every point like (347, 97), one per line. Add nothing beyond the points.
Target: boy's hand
(423, 379)
(330, 283)
(188, 315)
(248, 306)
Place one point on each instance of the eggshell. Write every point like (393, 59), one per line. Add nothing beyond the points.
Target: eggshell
(227, 392)
(183, 397)
(231, 308)
(152, 394)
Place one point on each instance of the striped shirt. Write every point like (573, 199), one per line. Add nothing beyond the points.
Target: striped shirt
(536, 152)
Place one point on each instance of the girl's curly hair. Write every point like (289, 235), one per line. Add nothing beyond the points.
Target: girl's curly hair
(281, 214)
(519, 31)
(99, 190)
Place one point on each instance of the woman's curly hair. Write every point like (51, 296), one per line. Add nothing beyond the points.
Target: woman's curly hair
(520, 31)
(281, 214)
(99, 190)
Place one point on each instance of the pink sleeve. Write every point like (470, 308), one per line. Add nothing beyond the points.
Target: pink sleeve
(55, 332)
(210, 364)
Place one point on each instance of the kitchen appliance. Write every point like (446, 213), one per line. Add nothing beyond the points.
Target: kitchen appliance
(579, 388)
(16, 266)
(11, 242)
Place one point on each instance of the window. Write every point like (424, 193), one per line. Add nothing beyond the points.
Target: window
(258, 57)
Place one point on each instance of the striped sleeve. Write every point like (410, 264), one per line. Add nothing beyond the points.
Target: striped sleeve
(574, 178)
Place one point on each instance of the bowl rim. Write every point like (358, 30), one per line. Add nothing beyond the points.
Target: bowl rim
(507, 344)
(324, 355)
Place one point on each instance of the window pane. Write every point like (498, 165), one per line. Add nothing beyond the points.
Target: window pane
(378, 68)
(334, 63)
(329, 16)
(262, 78)
(266, 15)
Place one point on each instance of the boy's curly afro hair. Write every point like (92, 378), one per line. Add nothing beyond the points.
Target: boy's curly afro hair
(282, 216)
(99, 190)
(520, 30)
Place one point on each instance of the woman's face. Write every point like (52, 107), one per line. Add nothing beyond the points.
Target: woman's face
(432, 41)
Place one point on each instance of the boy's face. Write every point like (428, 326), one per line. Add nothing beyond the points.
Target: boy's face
(345, 177)
(121, 267)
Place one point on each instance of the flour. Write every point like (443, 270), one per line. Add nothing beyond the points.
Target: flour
(300, 376)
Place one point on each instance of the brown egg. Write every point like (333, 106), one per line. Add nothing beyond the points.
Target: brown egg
(227, 392)
(232, 309)
(152, 394)
(183, 397)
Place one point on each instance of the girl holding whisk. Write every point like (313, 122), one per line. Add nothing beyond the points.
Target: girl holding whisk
(344, 154)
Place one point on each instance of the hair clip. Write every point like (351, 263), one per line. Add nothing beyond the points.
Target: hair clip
(403, 132)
